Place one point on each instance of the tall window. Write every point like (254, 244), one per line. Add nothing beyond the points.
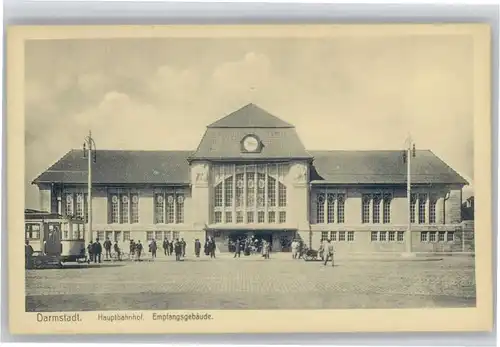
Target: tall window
(169, 207)
(159, 208)
(387, 208)
(413, 202)
(432, 210)
(320, 208)
(422, 201)
(249, 193)
(115, 209)
(69, 204)
(376, 209)
(340, 208)
(135, 208)
(365, 214)
(330, 214)
(124, 208)
(79, 205)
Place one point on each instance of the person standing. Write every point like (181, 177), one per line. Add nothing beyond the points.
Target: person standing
(28, 254)
(212, 248)
(237, 249)
(97, 251)
(131, 249)
(178, 250)
(183, 246)
(171, 247)
(197, 248)
(267, 249)
(90, 251)
(153, 247)
(139, 248)
(295, 248)
(165, 247)
(107, 248)
(117, 251)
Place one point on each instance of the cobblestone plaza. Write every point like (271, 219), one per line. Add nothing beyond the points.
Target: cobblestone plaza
(254, 283)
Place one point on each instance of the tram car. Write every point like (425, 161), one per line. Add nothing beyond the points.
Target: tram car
(55, 236)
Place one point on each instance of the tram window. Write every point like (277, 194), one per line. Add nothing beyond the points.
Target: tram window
(33, 231)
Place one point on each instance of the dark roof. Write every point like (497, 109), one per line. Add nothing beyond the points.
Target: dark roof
(172, 167)
(250, 116)
(380, 167)
(225, 143)
(121, 167)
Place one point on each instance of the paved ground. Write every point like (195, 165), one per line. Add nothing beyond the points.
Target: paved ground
(254, 283)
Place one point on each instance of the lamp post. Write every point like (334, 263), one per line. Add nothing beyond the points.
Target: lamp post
(409, 152)
(89, 152)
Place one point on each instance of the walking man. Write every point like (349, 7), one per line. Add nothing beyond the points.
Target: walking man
(197, 248)
(328, 251)
(153, 247)
(237, 250)
(165, 246)
(138, 249)
(117, 251)
(183, 245)
(178, 250)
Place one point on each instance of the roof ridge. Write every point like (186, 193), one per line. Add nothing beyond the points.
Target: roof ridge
(236, 119)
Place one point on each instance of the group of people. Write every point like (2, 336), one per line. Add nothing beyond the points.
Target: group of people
(251, 245)
(177, 247)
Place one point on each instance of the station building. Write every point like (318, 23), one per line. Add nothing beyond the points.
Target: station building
(251, 175)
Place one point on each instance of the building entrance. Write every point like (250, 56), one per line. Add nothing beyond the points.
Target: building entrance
(279, 240)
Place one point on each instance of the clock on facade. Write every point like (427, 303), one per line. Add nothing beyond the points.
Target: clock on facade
(251, 143)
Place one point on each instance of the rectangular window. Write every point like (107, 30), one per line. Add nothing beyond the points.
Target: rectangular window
(240, 187)
(158, 235)
(401, 236)
(159, 208)
(239, 217)
(342, 236)
(413, 202)
(432, 236)
(149, 236)
(340, 208)
(365, 213)
(229, 217)
(135, 208)
(179, 215)
(442, 236)
(170, 209)
(424, 237)
(260, 217)
(324, 235)
(100, 235)
(432, 211)
(282, 195)
(422, 201)
(218, 217)
(250, 217)
(271, 217)
(250, 189)
(126, 236)
(320, 209)
(350, 236)
(124, 208)
(109, 235)
(168, 235)
(374, 236)
(175, 235)
(387, 209)
(333, 235)
(376, 209)
(450, 237)
(282, 217)
(392, 236)
(382, 236)
(33, 231)
(330, 213)
(117, 236)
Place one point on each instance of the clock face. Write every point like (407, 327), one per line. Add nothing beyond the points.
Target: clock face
(251, 144)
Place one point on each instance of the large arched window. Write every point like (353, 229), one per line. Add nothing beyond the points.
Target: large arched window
(249, 193)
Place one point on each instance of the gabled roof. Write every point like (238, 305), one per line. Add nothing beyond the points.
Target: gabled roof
(380, 167)
(250, 116)
(329, 167)
(121, 167)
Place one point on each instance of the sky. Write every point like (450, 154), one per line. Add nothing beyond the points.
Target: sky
(340, 93)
